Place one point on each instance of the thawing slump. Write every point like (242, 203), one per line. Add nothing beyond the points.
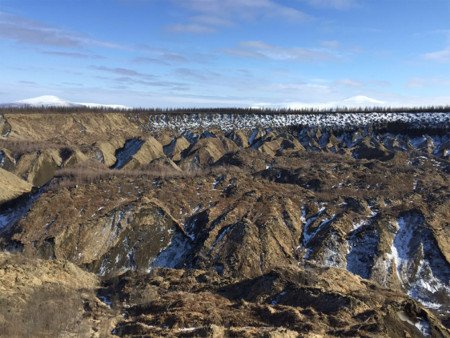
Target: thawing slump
(363, 248)
(125, 154)
(415, 259)
(13, 211)
(421, 268)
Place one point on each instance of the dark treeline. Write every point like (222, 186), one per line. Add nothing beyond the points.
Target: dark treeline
(224, 111)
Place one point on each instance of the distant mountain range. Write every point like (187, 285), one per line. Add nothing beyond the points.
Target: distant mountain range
(54, 101)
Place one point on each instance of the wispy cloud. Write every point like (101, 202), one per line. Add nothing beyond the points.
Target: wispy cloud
(26, 31)
(331, 44)
(422, 82)
(208, 16)
(161, 58)
(350, 83)
(197, 75)
(442, 56)
(149, 60)
(126, 77)
(73, 54)
(123, 72)
(260, 49)
(337, 4)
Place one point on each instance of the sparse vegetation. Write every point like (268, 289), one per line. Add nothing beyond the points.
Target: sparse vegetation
(20, 147)
(237, 111)
(91, 172)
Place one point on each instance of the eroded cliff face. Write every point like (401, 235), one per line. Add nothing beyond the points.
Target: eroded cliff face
(264, 231)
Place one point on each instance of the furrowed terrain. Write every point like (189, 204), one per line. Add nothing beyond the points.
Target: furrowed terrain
(254, 225)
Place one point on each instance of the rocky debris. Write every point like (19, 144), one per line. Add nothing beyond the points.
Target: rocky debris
(281, 302)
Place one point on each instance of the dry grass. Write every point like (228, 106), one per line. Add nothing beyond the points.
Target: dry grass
(92, 172)
(50, 311)
(21, 147)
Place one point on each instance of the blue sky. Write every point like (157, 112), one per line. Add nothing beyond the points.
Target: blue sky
(184, 53)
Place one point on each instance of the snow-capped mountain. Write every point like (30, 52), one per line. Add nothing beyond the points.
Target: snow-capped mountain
(362, 101)
(46, 101)
(54, 101)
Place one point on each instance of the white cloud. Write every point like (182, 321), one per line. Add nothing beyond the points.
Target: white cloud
(209, 15)
(422, 82)
(350, 83)
(260, 49)
(23, 30)
(337, 4)
(332, 44)
(442, 56)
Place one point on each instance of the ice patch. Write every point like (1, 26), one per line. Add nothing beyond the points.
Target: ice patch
(420, 323)
(221, 235)
(308, 237)
(173, 255)
(421, 269)
(363, 246)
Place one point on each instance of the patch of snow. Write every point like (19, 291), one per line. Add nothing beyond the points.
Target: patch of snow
(189, 329)
(420, 266)
(424, 327)
(308, 236)
(224, 231)
(173, 255)
(421, 324)
(262, 120)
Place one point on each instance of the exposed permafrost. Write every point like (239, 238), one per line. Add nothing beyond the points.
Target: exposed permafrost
(363, 247)
(421, 268)
(124, 154)
(174, 254)
(309, 235)
(13, 214)
(421, 324)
